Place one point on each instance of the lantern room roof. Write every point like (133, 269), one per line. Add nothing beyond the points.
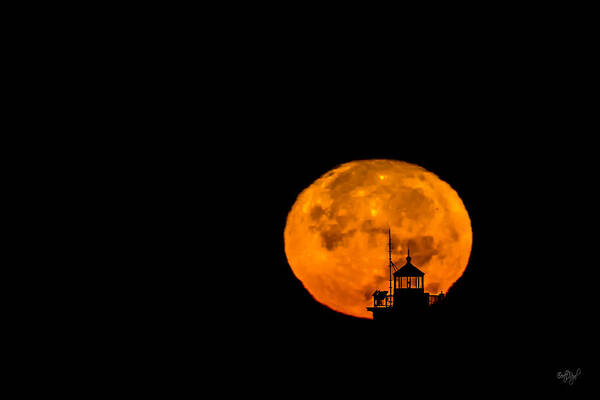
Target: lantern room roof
(409, 270)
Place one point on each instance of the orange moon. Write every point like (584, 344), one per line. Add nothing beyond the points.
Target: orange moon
(336, 234)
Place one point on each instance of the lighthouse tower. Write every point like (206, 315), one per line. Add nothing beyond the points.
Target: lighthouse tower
(408, 296)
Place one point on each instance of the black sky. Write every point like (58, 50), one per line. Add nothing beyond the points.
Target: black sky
(205, 135)
(522, 297)
(524, 168)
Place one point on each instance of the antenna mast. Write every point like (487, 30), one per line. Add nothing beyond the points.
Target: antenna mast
(390, 254)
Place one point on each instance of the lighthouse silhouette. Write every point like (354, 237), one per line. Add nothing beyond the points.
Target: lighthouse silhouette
(407, 297)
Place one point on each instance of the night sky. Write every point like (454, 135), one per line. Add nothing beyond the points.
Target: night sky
(520, 308)
(520, 313)
(199, 139)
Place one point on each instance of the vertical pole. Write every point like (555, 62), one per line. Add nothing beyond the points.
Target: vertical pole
(390, 257)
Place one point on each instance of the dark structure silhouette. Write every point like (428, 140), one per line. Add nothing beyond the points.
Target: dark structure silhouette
(408, 296)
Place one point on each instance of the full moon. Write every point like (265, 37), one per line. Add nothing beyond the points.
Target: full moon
(336, 234)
